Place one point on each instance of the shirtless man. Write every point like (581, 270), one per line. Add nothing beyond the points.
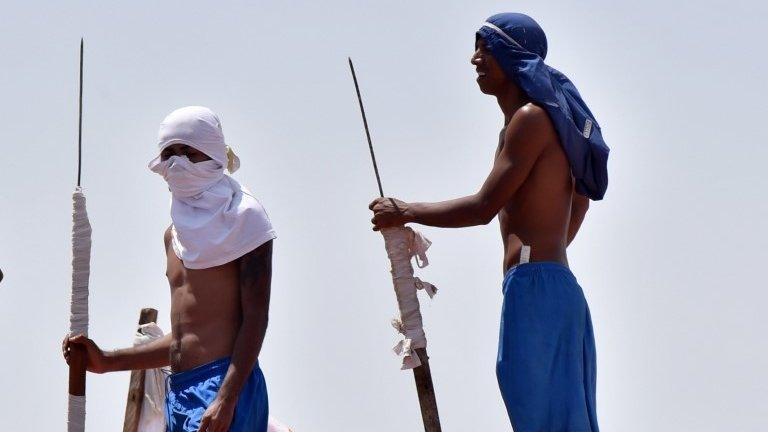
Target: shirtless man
(546, 359)
(219, 267)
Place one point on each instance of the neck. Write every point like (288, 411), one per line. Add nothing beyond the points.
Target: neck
(510, 101)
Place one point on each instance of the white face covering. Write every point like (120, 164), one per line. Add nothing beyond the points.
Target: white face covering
(187, 179)
(215, 219)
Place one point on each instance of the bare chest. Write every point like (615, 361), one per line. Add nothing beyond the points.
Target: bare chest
(215, 284)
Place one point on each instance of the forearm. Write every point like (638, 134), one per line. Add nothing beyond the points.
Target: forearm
(457, 213)
(151, 355)
(245, 353)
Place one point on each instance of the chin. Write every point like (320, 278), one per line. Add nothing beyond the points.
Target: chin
(485, 89)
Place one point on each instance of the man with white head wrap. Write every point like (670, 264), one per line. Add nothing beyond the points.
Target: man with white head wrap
(219, 266)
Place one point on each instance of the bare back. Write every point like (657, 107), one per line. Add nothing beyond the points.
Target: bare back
(205, 311)
(538, 213)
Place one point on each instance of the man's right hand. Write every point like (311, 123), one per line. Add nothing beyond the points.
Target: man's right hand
(98, 360)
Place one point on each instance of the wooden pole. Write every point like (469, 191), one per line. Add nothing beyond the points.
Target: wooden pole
(78, 360)
(426, 392)
(136, 385)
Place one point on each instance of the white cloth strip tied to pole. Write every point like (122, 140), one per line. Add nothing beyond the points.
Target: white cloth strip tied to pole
(403, 244)
(152, 418)
(81, 269)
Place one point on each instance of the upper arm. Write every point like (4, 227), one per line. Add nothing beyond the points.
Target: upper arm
(527, 135)
(579, 205)
(256, 279)
(167, 238)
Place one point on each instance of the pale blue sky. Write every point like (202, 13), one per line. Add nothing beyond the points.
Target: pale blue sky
(672, 261)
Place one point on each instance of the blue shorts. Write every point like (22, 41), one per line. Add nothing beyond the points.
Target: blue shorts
(546, 361)
(190, 392)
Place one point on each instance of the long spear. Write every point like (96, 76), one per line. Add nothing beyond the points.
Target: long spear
(397, 240)
(81, 257)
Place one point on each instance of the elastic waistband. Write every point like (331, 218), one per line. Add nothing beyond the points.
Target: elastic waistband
(200, 373)
(531, 268)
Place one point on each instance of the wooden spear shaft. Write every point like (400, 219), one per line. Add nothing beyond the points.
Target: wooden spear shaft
(426, 391)
(422, 374)
(78, 361)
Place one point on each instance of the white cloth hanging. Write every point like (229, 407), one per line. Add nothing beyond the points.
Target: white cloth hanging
(152, 418)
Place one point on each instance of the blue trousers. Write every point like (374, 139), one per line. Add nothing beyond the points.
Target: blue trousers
(190, 392)
(546, 362)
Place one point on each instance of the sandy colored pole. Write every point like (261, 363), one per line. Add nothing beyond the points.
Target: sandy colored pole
(426, 392)
(136, 384)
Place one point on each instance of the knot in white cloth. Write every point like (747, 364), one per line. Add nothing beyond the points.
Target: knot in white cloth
(426, 286)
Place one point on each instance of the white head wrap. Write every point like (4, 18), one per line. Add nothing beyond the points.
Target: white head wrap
(215, 219)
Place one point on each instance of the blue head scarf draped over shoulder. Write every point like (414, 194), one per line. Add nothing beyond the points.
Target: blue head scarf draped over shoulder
(519, 46)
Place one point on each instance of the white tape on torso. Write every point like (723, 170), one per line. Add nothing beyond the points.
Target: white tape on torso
(525, 254)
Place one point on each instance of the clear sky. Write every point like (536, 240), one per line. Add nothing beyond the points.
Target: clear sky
(672, 261)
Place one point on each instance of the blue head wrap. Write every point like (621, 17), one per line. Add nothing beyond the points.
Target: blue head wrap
(519, 46)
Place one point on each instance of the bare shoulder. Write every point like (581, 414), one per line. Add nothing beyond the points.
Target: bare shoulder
(530, 129)
(258, 256)
(256, 267)
(532, 121)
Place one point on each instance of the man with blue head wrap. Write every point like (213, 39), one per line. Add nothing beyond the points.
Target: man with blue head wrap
(551, 159)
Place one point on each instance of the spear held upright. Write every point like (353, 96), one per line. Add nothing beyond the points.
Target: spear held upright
(81, 257)
(402, 244)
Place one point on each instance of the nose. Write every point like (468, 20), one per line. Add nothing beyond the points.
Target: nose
(476, 59)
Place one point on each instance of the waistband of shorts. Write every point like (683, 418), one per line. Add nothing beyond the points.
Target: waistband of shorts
(532, 268)
(198, 374)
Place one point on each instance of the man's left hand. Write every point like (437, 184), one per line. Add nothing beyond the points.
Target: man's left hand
(218, 416)
(389, 212)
